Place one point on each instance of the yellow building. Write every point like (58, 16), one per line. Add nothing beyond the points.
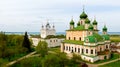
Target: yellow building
(85, 41)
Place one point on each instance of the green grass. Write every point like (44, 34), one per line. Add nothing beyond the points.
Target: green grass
(73, 42)
(113, 64)
(115, 56)
(55, 49)
(115, 38)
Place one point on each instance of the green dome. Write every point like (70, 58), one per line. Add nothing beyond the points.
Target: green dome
(90, 27)
(105, 28)
(83, 15)
(72, 22)
(87, 21)
(90, 39)
(94, 22)
(78, 24)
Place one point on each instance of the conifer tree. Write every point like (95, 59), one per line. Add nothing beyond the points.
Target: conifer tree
(26, 42)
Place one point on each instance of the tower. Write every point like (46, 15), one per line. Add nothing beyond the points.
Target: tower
(72, 24)
(104, 30)
(83, 16)
(94, 24)
(87, 23)
(90, 30)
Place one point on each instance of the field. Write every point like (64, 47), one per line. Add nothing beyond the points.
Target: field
(113, 64)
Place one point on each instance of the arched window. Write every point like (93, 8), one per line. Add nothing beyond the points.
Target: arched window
(106, 46)
(86, 50)
(74, 38)
(69, 38)
(91, 51)
(80, 38)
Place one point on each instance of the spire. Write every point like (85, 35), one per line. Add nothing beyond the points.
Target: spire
(83, 7)
(83, 15)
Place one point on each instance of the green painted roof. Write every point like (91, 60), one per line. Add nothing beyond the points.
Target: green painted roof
(104, 28)
(81, 27)
(98, 37)
(73, 42)
(71, 22)
(94, 22)
(106, 37)
(87, 21)
(83, 15)
(91, 39)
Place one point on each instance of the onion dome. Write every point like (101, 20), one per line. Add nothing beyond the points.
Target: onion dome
(90, 27)
(105, 28)
(94, 22)
(78, 24)
(87, 21)
(83, 15)
(71, 22)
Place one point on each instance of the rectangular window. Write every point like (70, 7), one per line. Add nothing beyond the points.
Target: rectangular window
(79, 50)
(82, 51)
(50, 40)
(69, 48)
(75, 49)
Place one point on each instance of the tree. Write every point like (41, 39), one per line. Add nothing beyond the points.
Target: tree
(42, 48)
(26, 42)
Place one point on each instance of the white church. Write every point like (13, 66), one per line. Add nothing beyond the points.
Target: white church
(48, 30)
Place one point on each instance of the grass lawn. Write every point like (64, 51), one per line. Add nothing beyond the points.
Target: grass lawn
(115, 56)
(115, 38)
(113, 64)
(55, 49)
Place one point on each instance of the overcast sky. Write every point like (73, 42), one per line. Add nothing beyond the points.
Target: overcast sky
(29, 15)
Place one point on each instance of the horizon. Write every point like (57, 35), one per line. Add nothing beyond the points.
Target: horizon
(29, 15)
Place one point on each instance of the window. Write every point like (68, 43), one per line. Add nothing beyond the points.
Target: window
(91, 51)
(81, 22)
(74, 38)
(69, 38)
(82, 51)
(86, 50)
(106, 46)
(79, 50)
(66, 47)
(50, 40)
(75, 49)
(69, 48)
(56, 40)
(80, 38)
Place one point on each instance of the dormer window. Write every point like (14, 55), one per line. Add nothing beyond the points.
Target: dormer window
(87, 40)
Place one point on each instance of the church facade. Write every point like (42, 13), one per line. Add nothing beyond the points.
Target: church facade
(48, 34)
(85, 40)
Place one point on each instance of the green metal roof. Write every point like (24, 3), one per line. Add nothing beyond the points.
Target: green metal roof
(71, 22)
(106, 37)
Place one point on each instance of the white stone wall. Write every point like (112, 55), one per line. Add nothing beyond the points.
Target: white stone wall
(90, 59)
(35, 41)
(53, 42)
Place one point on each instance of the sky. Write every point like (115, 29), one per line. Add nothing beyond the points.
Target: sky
(29, 15)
